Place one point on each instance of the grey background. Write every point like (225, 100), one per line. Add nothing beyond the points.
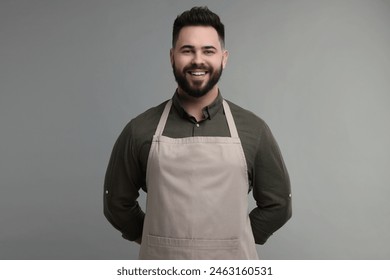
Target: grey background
(73, 73)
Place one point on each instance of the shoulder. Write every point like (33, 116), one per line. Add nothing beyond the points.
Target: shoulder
(144, 125)
(245, 119)
(149, 116)
(252, 129)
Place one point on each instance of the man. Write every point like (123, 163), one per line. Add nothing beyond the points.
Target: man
(197, 156)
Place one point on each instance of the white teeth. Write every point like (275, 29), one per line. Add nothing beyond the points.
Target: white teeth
(198, 73)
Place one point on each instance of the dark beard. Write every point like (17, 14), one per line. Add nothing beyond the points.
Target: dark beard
(197, 92)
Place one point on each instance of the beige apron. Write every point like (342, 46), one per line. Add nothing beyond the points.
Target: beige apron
(197, 202)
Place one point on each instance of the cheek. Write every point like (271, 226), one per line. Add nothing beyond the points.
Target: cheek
(181, 59)
(180, 63)
(217, 64)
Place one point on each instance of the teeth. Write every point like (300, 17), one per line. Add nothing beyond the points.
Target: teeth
(198, 73)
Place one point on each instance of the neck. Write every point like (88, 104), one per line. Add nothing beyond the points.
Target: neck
(194, 105)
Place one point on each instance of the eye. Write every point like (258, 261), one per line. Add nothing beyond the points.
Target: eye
(209, 52)
(186, 51)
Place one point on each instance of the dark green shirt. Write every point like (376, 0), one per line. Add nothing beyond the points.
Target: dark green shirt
(267, 173)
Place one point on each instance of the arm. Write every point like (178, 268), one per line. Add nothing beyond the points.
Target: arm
(271, 189)
(121, 188)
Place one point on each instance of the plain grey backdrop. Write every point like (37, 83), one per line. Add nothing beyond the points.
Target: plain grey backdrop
(74, 72)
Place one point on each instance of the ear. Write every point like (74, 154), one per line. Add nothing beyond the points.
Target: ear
(225, 55)
(171, 56)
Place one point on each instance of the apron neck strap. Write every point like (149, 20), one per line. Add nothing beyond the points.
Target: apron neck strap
(228, 115)
(230, 120)
(163, 118)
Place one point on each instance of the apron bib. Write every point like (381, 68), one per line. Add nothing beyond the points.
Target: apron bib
(197, 201)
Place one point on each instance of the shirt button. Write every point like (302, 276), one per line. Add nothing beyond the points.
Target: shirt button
(106, 191)
(290, 195)
(197, 125)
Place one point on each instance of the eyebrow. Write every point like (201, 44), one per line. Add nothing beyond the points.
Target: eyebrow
(192, 47)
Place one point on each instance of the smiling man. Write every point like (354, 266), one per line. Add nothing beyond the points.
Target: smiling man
(197, 156)
(198, 58)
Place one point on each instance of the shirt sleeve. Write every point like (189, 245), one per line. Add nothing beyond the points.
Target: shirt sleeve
(121, 188)
(271, 189)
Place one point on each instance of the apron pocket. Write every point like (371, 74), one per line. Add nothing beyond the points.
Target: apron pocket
(195, 249)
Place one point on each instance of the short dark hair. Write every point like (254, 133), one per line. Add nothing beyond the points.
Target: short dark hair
(198, 16)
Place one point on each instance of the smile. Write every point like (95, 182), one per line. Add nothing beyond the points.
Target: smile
(197, 73)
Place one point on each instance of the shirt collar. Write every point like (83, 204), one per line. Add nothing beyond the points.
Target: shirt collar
(209, 111)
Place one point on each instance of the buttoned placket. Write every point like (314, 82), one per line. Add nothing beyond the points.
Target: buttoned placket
(195, 128)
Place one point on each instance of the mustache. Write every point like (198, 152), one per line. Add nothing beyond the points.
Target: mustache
(197, 67)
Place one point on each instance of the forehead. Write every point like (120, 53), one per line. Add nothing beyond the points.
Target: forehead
(198, 36)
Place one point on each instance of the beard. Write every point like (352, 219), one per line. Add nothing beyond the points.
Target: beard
(197, 90)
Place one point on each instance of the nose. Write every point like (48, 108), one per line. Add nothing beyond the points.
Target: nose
(197, 58)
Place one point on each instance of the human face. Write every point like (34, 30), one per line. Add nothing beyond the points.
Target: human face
(197, 60)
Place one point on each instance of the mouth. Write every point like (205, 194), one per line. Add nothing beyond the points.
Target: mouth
(197, 73)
